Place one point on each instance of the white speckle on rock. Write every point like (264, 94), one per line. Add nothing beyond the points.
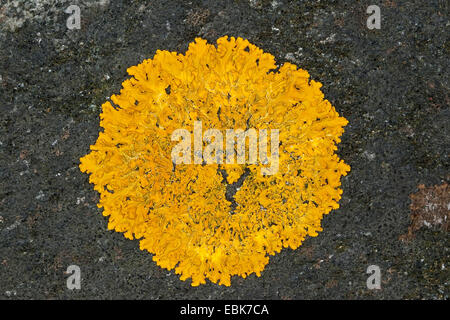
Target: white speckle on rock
(80, 200)
(431, 206)
(11, 293)
(13, 226)
(275, 4)
(368, 116)
(291, 57)
(369, 155)
(40, 195)
(328, 39)
(257, 4)
(100, 3)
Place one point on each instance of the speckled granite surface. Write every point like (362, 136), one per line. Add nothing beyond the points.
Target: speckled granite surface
(391, 84)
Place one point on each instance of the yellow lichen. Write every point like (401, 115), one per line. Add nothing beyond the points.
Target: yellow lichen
(180, 212)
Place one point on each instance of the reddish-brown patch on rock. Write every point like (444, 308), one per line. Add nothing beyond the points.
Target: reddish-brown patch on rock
(430, 207)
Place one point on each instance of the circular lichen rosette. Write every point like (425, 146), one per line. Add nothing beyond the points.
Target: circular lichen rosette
(214, 220)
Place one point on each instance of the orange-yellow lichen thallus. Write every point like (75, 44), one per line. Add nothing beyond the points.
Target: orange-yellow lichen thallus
(181, 213)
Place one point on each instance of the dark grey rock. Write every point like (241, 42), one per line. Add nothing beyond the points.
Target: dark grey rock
(391, 84)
